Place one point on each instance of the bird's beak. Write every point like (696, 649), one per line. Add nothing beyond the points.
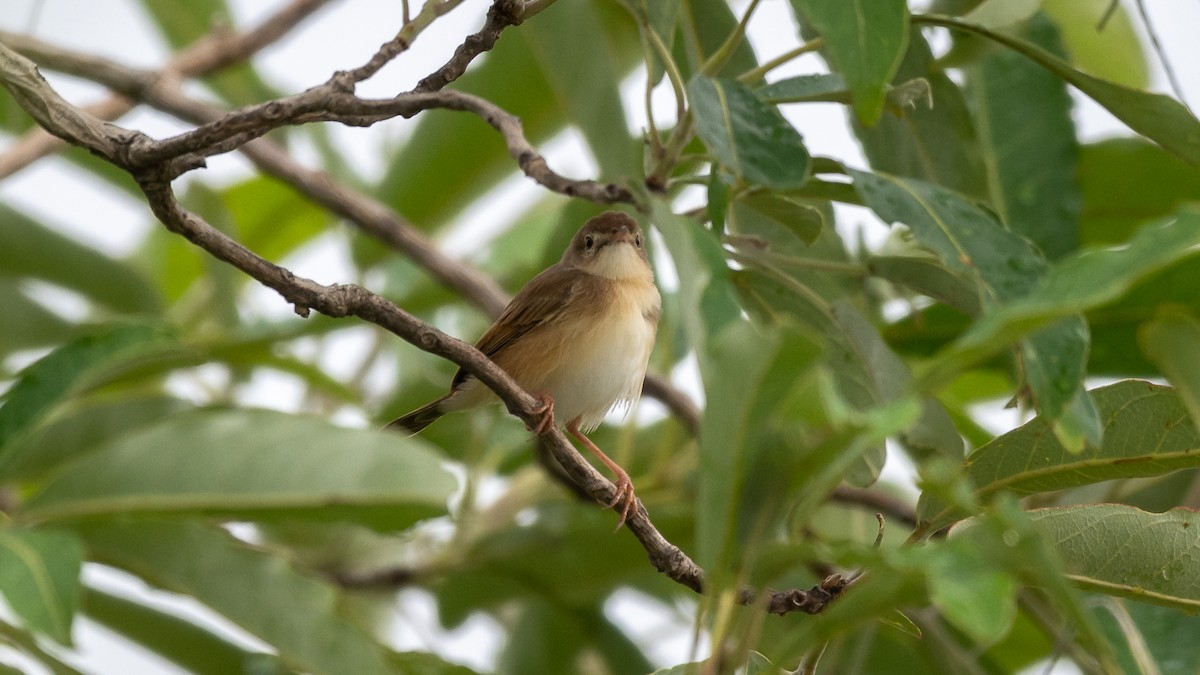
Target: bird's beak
(622, 233)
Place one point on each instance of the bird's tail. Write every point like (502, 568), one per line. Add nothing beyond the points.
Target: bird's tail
(420, 418)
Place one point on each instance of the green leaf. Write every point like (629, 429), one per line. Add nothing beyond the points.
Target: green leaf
(454, 174)
(1023, 117)
(1003, 13)
(925, 274)
(586, 82)
(776, 220)
(972, 591)
(51, 379)
(1172, 341)
(707, 24)
(935, 143)
(297, 615)
(182, 22)
(39, 577)
(748, 137)
(804, 88)
(252, 465)
(865, 40)
(30, 249)
(1128, 182)
(37, 326)
(1147, 433)
(181, 642)
(1005, 267)
(271, 218)
(1086, 280)
(1113, 53)
(1167, 633)
(1122, 550)
(81, 429)
(1160, 118)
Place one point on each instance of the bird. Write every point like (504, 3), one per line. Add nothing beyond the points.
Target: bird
(578, 336)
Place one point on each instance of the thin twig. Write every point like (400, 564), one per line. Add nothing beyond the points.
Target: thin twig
(206, 55)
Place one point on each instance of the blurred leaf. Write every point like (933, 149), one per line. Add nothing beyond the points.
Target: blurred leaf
(706, 24)
(248, 586)
(747, 136)
(271, 218)
(1160, 118)
(181, 642)
(586, 81)
(803, 88)
(1086, 280)
(775, 220)
(1172, 342)
(452, 175)
(705, 293)
(1121, 550)
(30, 249)
(252, 465)
(935, 143)
(1113, 53)
(1167, 633)
(1023, 116)
(1005, 267)
(39, 577)
(182, 22)
(925, 274)
(1147, 433)
(1003, 13)
(972, 590)
(865, 42)
(81, 429)
(38, 326)
(48, 381)
(1127, 182)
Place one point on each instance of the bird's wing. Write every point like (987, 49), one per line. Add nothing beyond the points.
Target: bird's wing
(539, 302)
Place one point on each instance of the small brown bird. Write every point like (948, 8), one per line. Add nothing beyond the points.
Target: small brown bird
(578, 336)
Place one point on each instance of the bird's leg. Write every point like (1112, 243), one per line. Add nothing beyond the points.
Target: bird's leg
(624, 502)
(545, 415)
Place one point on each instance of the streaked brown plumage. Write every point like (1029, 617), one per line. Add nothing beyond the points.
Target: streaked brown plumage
(579, 335)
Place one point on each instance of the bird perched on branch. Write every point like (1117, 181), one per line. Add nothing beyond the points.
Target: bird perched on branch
(578, 336)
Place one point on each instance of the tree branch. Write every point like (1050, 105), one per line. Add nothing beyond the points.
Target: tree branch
(153, 168)
(212, 52)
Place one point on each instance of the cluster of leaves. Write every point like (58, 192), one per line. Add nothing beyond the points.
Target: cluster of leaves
(1025, 264)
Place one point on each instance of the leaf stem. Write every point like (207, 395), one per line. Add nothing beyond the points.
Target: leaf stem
(756, 74)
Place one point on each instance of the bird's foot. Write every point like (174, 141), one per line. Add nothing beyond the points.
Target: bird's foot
(544, 415)
(624, 502)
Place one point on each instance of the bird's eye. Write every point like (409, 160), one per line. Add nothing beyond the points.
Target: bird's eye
(637, 240)
(588, 242)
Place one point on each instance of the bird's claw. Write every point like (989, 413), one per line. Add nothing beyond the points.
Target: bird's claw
(545, 415)
(624, 499)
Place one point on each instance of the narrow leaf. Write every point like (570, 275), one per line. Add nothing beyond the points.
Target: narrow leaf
(252, 465)
(39, 577)
(1147, 433)
(747, 136)
(1023, 117)
(1087, 280)
(49, 380)
(181, 642)
(246, 585)
(1128, 182)
(865, 40)
(935, 142)
(972, 242)
(1122, 550)
(1172, 342)
(1160, 118)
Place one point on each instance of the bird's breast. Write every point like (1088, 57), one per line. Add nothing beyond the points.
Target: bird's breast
(608, 352)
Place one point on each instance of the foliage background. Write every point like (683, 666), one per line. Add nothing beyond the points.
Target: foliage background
(140, 431)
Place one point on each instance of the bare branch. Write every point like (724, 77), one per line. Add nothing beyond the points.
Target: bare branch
(208, 54)
(153, 167)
